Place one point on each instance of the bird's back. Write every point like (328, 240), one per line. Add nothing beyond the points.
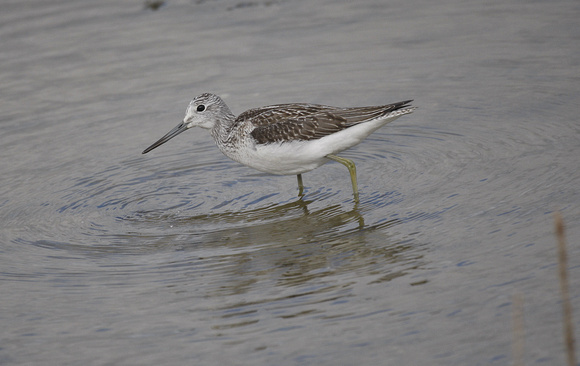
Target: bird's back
(288, 122)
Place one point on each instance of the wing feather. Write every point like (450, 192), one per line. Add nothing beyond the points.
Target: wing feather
(289, 122)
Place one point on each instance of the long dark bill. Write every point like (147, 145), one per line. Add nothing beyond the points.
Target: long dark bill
(171, 134)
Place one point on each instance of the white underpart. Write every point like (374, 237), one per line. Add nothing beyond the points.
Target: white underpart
(303, 156)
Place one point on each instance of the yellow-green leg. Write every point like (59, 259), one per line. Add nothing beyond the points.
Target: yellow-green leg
(300, 185)
(351, 168)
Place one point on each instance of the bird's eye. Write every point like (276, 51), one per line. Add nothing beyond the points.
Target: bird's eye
(200, 108)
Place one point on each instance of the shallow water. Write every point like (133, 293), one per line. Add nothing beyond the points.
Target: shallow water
(182, 256)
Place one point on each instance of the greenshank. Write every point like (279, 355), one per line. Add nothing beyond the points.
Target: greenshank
(286, 139)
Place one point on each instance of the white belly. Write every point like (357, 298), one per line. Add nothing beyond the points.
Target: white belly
(298, 157)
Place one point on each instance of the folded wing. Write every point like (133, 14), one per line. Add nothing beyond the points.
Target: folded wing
(289, 122)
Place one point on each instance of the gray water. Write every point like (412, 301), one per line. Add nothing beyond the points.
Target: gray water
(183, 257)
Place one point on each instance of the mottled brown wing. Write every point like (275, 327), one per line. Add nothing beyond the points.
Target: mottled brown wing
(278, 113)
(300, 128)
(309, 122)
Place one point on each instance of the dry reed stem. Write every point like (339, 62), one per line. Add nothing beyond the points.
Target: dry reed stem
(565, 292)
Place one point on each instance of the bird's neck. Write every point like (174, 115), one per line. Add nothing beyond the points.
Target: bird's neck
(222, 128)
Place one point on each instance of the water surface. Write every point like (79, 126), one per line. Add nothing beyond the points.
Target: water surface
(182, 256)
